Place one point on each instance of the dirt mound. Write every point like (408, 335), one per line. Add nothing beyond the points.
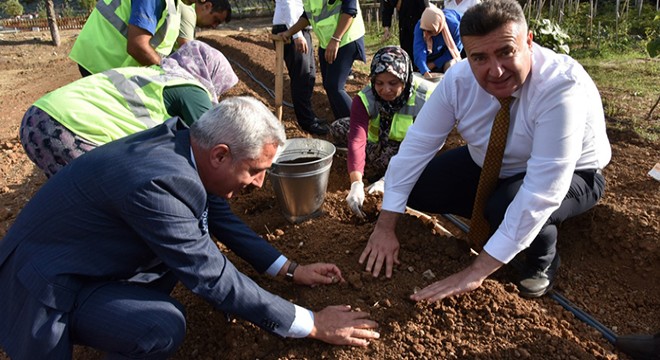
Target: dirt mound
(610, 261)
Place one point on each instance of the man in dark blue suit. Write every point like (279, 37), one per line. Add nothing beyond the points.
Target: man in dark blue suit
(93, 256)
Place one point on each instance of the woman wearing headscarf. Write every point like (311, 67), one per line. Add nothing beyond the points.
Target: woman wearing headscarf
(381, 114)
(437, 42)
(97, 109)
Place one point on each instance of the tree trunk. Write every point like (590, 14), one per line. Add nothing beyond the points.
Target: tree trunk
(52, 22)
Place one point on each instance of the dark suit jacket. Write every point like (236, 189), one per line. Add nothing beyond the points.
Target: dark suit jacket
(128, 206)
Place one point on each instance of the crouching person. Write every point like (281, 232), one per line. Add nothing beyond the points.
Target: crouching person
(93, 256)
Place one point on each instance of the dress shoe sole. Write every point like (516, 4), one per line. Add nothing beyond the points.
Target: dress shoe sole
(535, 294)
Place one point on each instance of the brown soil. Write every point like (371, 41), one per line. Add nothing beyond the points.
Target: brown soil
(610, 254)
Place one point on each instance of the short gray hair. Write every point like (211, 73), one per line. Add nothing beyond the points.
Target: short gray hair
(490, 15)
(243, 123)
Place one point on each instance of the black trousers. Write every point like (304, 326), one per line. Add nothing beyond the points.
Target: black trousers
(302, 72)
(448, 185)
(406, 37)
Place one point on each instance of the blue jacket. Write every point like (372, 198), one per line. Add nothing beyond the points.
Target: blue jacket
(420, 53)
(110, 215)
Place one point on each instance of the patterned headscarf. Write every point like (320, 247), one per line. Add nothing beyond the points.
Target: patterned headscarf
(393, 60)
(200, 61)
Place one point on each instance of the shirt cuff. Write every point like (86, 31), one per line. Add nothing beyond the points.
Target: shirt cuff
(296, 35)
(302, 324)
(394, 202)
(502, 249)
(275, 268)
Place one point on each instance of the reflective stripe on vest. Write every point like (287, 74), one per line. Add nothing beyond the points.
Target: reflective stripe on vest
(128, 90)
(102, 43)
(113, 104)
(402, 120)
(109, 13)
(324, 19)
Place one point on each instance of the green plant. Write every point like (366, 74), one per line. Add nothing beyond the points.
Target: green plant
(653, 47)
(11, 8)
(87, 5)
(41, 10)
(549, 34)
(67, 9)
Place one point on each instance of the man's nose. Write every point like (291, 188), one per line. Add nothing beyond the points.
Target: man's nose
(258, 180)
(495, 68)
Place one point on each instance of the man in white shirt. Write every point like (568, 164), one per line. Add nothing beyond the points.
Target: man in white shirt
(556, 148)
(300, 63)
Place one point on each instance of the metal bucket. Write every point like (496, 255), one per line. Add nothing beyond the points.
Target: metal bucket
(299, 176)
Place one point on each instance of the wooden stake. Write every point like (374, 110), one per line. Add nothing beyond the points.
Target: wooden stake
(279, 74)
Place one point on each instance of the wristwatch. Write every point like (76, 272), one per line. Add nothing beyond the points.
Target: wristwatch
(289, 272)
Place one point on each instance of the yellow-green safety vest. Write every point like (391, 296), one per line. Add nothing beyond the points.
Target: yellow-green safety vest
(124, 101)
(324, 18)
(402, 120)
(101, 44)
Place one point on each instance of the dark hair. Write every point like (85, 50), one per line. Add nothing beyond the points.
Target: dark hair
(489, 15)
(222, 5)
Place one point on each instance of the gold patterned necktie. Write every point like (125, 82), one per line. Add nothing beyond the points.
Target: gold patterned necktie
(479, 227)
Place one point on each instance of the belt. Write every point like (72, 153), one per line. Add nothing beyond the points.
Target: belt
(306, 29)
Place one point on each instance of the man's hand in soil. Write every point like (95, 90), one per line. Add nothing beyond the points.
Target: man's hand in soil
(339, 325)
(461, 282)
(383, 246)
(317, 274)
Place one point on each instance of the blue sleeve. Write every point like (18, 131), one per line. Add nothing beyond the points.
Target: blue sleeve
(145, 14)
(349, 7)
(419, 50)
(454, 23)
(238, 237)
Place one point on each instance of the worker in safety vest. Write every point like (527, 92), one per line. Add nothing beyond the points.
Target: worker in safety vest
(97, 109)
(339, 27)
(120, 33)
(381, 114)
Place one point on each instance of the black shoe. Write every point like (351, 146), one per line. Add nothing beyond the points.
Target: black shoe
(640, 346)
(316, 128)
(535, 283)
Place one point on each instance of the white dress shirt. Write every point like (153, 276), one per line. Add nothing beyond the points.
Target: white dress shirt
(462, 7)
(557, 127)
(288, 12)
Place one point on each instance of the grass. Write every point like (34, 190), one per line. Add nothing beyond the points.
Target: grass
(629, 87)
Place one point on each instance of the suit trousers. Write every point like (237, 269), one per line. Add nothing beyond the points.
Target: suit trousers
(302, 74)
(448, 185)
(127, 320)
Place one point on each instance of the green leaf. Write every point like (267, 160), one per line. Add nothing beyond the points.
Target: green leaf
(653, 47)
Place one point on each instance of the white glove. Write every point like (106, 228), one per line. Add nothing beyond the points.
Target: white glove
(355, 198)
(377, 188)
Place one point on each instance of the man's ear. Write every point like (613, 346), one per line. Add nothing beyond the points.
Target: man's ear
(207, 6)
(530, 38)
(219, 154)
